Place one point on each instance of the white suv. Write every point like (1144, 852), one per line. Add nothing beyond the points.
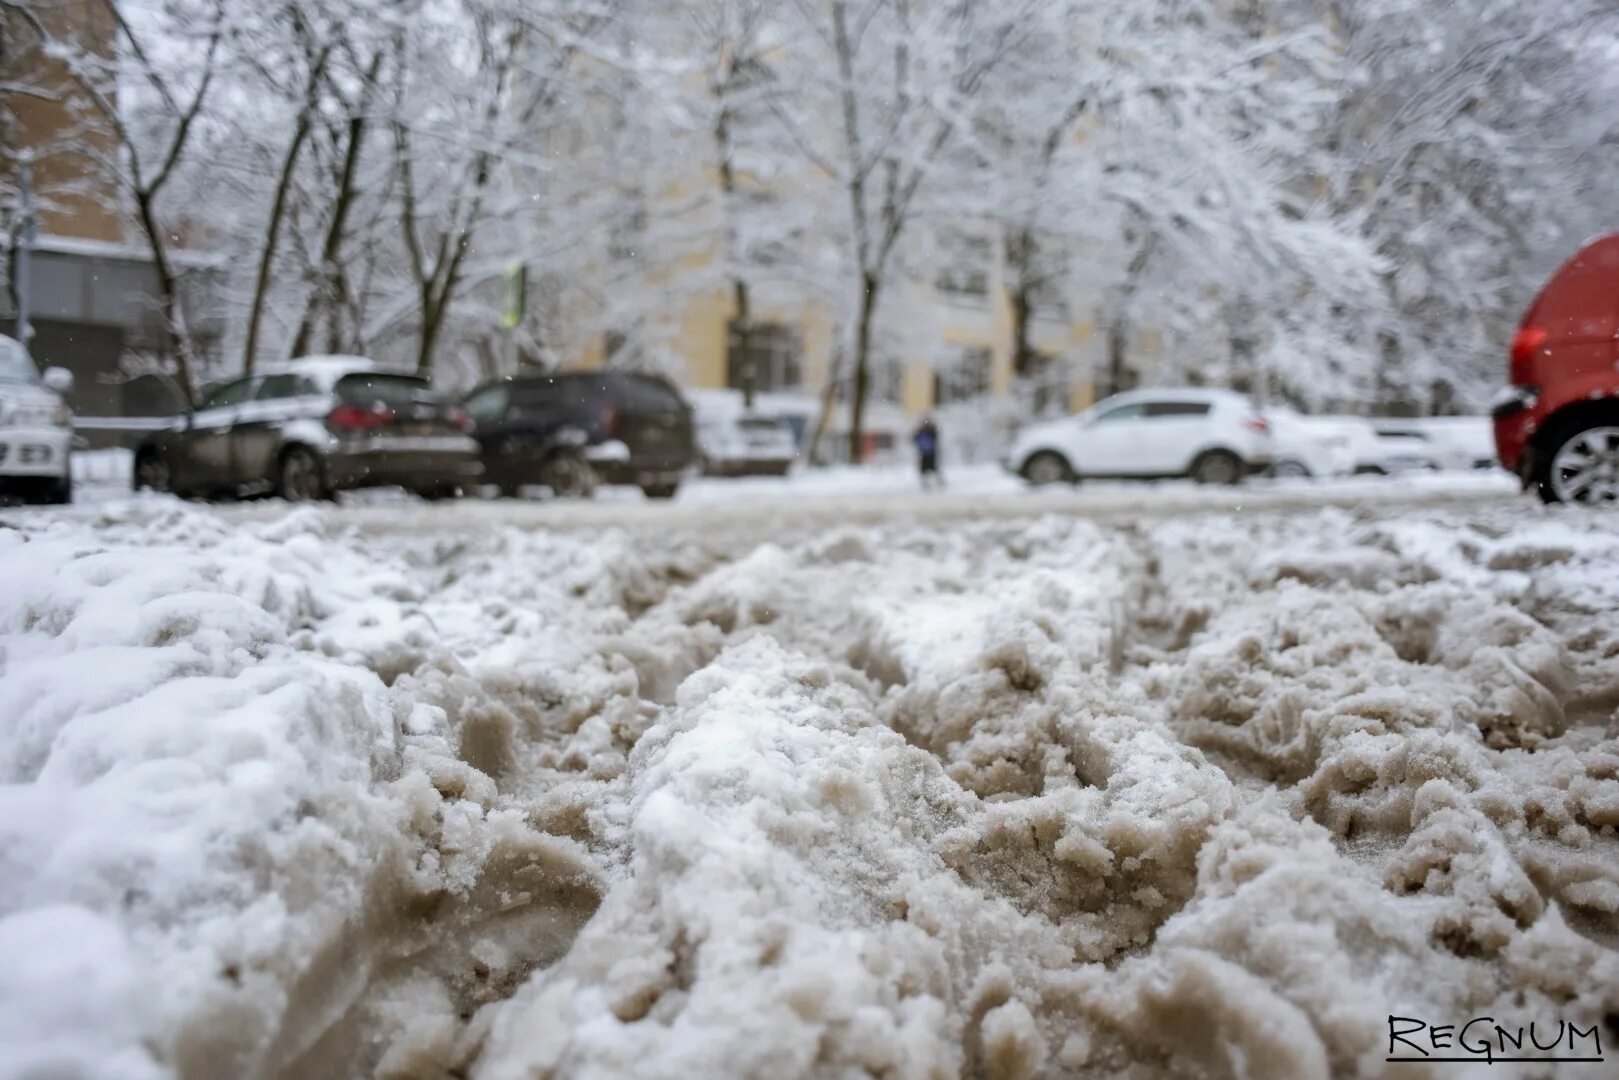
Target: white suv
(1213, 436)
(36, 433)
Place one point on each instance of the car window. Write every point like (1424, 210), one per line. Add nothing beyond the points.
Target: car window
(1121, 412)
(1157, 410)
(487, 404)
(283, 386)
(637, 392)
(15, 366)
(537, 394)
(232, 393)
(395, 391)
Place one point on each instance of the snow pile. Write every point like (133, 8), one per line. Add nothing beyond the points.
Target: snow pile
(1048, 797)
(217, 819)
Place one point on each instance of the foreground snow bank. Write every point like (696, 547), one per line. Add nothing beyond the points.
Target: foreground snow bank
(216, 815)
(1205, 797)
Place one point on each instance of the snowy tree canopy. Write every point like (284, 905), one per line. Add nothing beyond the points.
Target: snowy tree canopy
(1344, 203)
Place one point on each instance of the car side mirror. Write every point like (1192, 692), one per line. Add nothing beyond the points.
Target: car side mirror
(59, 379)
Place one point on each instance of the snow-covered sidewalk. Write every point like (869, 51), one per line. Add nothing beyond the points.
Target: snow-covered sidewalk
(316, 792)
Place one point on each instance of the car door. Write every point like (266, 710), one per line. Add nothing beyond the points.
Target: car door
(1173, 433)
(491, 412)
(204, 461)
(1104, 444)
(257, 433)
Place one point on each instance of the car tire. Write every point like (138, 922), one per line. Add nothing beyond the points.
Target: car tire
(439, 493)
(300, 475)
(1291, 470)
(61, 492)
(1218, 467)
(1580, 462)
(661, 491)
(568, 475)
(152, 472)
(1048, 467)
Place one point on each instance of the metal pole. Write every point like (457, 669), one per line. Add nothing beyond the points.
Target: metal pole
(25, 246)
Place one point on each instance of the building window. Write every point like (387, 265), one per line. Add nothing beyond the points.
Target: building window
(964, 264)
(888, 379)
(1046, 298)
(965, 376)
(626, 235)
(776, 352)
(1043, 380)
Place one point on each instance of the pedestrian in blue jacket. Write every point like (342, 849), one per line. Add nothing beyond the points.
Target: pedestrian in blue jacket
(927, 449)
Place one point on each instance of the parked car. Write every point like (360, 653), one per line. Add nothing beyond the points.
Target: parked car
(1451, 442)
(1557, 424)
(310, 428)
(733, 440)
(569, 429)
(1390, 453)
(1213, 436)
(36, 432)
(1309, 446)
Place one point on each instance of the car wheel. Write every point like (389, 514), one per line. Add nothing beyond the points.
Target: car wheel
(661, 491)
(300, 476)
(152, 472)
(569, 476)
(1218, 467)
(1290, 470)
(439, 493)
(1582, 467)
(1048, 467)
(61, 493)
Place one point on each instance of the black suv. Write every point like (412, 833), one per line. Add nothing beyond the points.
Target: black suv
(568, 429)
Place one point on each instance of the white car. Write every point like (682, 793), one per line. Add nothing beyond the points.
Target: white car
(734, 441)
(1213, 436)
(1452, 442)
(1385, 454)
(36, 428)
(1310, 446)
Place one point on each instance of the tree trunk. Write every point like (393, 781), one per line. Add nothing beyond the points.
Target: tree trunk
(1019, 256)
(742, 342)
(1118, 361)
(829, 402)
(862, 368)
(333, 286)
(179, 340)
(278, 207)
(432, 319)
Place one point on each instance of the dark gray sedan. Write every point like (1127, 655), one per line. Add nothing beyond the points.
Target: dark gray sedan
(310, 428)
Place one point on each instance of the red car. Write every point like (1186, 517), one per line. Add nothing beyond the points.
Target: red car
(1557, 425)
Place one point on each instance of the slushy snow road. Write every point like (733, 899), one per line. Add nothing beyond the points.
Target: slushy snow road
(1150, 780)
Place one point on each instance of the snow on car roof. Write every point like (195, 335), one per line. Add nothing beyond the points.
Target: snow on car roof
(327, 369)
(1188, 393)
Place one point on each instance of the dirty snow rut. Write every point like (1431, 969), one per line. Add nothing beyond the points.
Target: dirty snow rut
(1197, 797)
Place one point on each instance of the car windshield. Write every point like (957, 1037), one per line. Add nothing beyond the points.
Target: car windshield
(15, 366)
(395, 391)
(643, 393)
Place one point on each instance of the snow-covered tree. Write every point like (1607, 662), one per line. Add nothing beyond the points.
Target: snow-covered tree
(1476, 145)
(882, 90)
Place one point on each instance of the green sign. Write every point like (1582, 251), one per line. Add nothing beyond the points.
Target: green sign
(516, 295)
